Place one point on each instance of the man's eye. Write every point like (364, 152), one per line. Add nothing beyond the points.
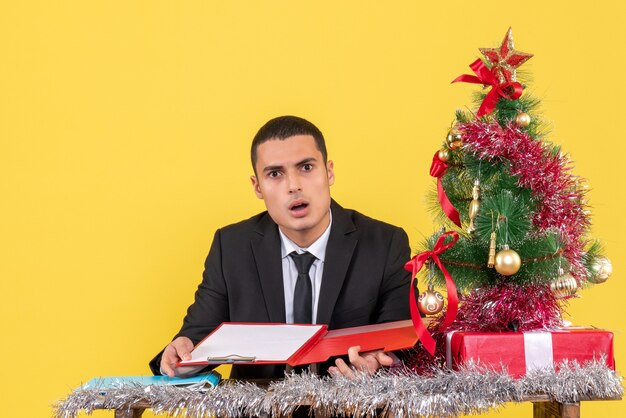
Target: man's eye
(273, 174)
(307, 167)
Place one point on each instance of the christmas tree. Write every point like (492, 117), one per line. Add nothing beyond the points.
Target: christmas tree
(516, 248)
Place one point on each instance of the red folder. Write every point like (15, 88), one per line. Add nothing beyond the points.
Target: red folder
(317, 345)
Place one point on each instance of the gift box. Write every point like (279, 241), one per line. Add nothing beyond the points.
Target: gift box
(522, 352)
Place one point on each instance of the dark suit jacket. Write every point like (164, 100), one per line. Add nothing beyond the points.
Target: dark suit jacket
(363, 282)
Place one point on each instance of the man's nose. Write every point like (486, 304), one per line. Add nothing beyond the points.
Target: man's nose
(294, 184)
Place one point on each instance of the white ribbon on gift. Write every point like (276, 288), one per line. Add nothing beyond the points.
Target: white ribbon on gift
(538, 350)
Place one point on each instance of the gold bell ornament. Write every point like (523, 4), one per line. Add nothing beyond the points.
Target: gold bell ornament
(430, 301)
(564, 286)
(507, 262)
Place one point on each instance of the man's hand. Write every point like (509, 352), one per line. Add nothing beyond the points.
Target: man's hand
(368, 362)
(178, 350)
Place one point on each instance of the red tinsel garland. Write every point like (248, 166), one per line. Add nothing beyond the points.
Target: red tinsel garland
(508, 307)
(546, 174)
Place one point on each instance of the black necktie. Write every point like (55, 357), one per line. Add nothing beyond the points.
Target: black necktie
(303, 294)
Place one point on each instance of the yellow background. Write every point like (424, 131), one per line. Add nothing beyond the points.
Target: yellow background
(124, 137)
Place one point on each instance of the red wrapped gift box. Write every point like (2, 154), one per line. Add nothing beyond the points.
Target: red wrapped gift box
(521, 352)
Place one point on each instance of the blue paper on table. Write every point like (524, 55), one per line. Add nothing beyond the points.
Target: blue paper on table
(113, 382)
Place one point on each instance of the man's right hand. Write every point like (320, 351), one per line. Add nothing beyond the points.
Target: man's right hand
(178, 350)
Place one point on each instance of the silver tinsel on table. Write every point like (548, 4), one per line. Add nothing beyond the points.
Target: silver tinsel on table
(444, 394)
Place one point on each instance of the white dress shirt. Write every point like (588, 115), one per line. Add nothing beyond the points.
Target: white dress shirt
(290, 272)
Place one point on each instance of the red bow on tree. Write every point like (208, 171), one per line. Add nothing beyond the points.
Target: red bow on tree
(511, 90)
(414, 266)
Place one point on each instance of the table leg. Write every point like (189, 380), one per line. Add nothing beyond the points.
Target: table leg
(556, 410)
(129, 413)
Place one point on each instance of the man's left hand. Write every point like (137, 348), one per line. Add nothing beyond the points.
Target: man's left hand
(368, 362)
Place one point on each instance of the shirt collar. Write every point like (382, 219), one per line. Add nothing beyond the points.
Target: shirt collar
(318, 248)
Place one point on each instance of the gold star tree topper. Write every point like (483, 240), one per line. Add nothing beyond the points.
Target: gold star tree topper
(505, 59)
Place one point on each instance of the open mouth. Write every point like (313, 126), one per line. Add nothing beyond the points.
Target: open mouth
(298, 207)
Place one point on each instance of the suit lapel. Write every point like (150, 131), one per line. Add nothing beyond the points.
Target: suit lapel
(339, 252)
(266, 250)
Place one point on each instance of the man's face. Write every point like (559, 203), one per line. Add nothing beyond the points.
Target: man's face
(294, 182)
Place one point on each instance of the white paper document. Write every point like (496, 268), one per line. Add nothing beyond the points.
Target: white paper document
(260, 342)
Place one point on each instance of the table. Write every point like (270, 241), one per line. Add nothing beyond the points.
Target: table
(543, 407)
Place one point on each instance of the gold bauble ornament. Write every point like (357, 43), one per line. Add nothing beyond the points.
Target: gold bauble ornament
(444, 155)
(430, 302)
(507, 262)
(454, 140)
(522, 120)
(565, 286)
(601, 270)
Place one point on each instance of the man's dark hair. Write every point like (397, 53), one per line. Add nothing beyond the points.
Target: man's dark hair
(283, 127)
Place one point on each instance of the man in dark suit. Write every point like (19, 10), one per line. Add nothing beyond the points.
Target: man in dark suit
(354, 276)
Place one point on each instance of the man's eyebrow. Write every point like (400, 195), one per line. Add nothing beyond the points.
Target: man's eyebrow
(272, 168)
(306, 161)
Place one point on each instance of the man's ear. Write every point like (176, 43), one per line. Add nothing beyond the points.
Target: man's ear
(330, 172)
(256, 187)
